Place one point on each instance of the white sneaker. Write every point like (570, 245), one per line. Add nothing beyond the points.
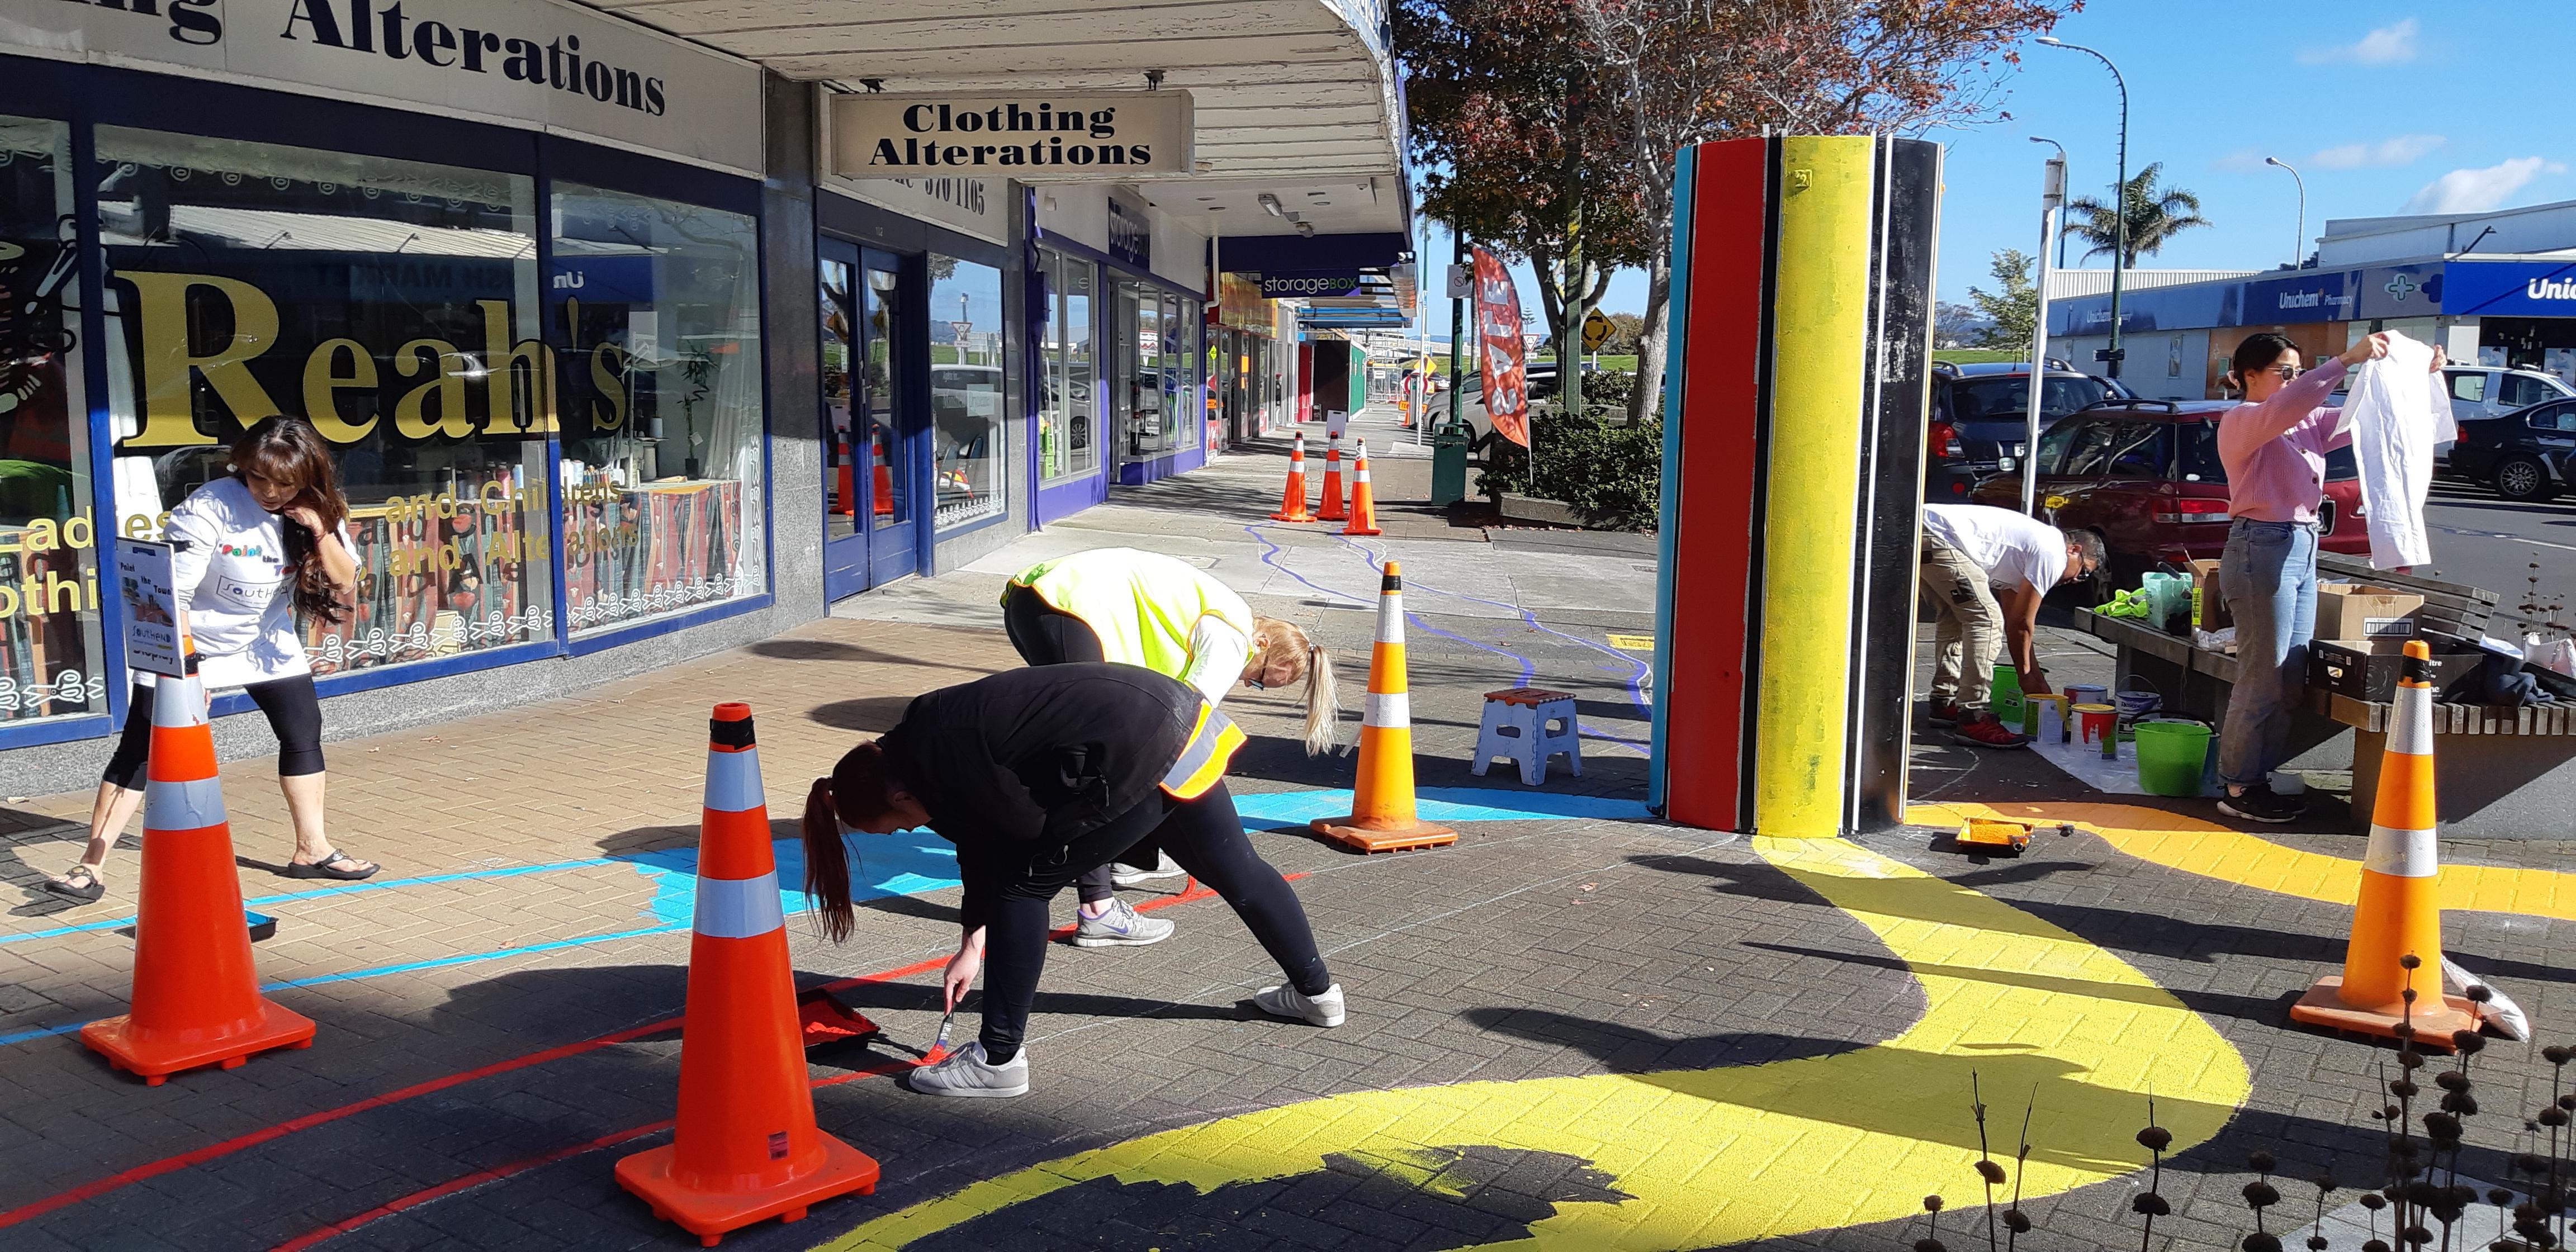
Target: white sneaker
(1285, 1001)
(1118, 927)
(1164, 867)
(964, 1073)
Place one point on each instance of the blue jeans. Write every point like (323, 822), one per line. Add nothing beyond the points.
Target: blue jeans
(2269, 576)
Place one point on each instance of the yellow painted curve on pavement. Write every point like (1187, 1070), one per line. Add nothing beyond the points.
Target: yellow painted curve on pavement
(1731, 1155)
(2195, 846)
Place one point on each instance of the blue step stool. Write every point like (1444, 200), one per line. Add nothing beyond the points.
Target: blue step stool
(1529, 725)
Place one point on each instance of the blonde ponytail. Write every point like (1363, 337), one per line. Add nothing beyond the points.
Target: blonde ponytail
(1284, 646)
(1323, 703)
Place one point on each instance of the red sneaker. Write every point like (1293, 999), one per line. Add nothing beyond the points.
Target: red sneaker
(1942, 713)
(1984, 731)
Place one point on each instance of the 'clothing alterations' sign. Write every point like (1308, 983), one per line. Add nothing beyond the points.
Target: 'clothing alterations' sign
(1039, 137)
(530, 62)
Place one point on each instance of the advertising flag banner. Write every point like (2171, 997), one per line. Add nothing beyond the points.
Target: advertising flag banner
(1498, 330)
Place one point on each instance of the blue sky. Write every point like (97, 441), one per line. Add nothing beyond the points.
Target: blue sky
(2384, 107)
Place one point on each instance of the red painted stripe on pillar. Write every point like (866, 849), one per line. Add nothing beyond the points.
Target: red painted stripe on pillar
(1713, 544)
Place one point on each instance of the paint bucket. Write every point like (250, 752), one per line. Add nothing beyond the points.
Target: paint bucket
(2099, 724)
(2081, 693)
(2170, 755)
(2005, 700)
(2046, 718)
(2137, 706)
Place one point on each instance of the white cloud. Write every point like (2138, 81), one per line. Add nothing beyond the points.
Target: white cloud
(2243, 160)
(2388, 45)
(2397, 150)
(2476, 191)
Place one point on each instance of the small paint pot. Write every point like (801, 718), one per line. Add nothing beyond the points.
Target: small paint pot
(2082, 694)
(2099, 724)
(2045, 717)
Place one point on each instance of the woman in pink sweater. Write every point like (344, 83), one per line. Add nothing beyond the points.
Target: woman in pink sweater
(2274, 447)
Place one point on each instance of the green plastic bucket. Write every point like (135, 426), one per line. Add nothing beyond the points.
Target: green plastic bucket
(2170, 757)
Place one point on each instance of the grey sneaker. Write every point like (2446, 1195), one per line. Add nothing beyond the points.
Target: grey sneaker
(964, 1073)
(1120, 927)
(1285, 1001)
(1164, 867)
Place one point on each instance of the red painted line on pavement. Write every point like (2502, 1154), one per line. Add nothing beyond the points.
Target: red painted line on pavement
(497, 1173)
(199, 1156)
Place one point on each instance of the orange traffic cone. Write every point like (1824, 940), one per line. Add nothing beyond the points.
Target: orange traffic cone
(1363, 498)
(1292, 506)
(746, 1147)
(196, 996)
(883, 486)
(2392, 971)
(1381, 818)
(1331, 508)
(845, 479)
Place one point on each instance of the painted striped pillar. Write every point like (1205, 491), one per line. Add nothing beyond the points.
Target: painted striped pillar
(1796, 393)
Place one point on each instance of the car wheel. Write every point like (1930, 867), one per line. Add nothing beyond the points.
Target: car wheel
(2524, 478)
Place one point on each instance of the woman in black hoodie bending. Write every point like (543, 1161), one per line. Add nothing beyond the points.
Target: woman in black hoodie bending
(1038, 775)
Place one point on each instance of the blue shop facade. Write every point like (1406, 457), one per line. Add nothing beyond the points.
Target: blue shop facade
(614, 368)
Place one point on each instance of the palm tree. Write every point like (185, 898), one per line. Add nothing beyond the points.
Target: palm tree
(2155, 214)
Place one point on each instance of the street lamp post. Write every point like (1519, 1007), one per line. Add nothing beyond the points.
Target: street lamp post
(2119, 198)
(2052, 196)
(2062, 185)
(2298, 243)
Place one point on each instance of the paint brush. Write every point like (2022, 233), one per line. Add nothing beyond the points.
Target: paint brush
(939, 1046)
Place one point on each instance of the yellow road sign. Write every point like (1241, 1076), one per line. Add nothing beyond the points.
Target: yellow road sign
(1596, 331)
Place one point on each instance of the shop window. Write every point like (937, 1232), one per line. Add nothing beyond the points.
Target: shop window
(1139, 389)
(50, 657)
(394, 305)
(1067, 447)
(661, 402)
(1180, 371)
(967, 373)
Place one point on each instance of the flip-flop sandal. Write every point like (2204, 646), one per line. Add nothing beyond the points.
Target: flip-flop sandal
(321, 868)
(88, 894)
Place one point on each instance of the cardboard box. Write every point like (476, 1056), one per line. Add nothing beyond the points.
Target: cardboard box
(2209, 609)
(2361, 611)
(2368, 669)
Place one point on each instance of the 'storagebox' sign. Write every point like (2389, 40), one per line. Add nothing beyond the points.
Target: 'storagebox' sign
(1040, 137)
(532, 62)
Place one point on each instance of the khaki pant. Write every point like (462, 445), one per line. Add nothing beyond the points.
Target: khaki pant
(1966, 620)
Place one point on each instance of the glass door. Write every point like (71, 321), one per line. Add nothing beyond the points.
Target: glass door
(868, 536)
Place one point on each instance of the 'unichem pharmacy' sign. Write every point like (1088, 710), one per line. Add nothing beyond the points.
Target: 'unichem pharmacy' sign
(541, 63)
(1037, 137)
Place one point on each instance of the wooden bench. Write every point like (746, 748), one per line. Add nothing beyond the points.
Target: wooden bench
(2517, 782)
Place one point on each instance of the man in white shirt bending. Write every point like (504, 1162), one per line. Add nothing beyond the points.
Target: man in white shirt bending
(1969, 550)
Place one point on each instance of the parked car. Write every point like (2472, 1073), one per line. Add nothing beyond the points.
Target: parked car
(2146, 474)
(1980, 419)
(2528, 455)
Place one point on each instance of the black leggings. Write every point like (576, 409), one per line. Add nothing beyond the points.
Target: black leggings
(294, 713)
(1047, 635)
(1204, 835)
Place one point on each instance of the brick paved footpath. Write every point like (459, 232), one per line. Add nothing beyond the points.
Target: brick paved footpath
(459, 1095)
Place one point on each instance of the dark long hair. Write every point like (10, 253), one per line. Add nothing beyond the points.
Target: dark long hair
(286, 449)
(859, 791)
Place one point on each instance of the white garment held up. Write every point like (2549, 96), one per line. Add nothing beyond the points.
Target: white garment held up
(2397, 413)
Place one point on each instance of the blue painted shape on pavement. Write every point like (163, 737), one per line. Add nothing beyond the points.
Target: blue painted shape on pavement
(904, 863)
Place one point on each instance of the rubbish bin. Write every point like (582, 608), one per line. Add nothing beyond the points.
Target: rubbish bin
(1448, 464)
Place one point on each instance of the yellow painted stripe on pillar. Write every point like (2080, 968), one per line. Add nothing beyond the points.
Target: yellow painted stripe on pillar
(1820, 319)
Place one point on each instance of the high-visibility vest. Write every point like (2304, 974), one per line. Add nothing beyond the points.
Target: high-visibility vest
(1203, 759)
(1143, 605)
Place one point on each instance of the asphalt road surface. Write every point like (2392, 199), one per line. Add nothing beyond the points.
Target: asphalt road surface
(2486, 541)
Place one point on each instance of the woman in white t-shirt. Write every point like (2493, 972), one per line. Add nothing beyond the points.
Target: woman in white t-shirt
(250, 550)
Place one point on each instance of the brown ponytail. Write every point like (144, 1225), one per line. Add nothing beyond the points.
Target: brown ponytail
(827, 864)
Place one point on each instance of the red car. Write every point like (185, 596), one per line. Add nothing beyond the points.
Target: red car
(2146, 474)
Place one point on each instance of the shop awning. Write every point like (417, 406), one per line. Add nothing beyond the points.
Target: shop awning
(1294, 99)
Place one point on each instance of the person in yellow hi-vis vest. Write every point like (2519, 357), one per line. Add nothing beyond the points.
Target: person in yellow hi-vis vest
(1038, 775)
(1143, 608)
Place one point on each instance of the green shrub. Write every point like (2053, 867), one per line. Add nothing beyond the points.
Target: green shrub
(1606, 469)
